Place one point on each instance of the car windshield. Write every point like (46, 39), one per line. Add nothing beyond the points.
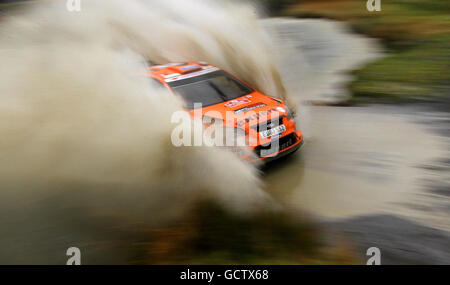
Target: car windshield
(209, 89)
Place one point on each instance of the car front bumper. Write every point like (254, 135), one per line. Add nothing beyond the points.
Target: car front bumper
(286, 151)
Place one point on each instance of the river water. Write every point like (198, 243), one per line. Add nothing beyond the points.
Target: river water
(378, 160)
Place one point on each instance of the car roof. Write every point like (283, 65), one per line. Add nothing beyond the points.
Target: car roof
(176, 71)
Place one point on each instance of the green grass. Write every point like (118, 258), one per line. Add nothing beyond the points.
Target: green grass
(416, 34)
(420, 73)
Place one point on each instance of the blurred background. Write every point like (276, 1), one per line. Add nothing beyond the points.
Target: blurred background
(414, 35)
(372, 97)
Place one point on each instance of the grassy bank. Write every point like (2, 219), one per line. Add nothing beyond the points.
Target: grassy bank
(417, 37)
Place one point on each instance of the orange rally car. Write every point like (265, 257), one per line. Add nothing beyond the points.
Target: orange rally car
(265, 122)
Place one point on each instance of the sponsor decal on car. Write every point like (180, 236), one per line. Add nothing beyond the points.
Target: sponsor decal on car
(249, 108)
(256, 116)
(189, 67)
(237, 102)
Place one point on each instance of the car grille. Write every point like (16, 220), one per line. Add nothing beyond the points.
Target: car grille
(268, 124)
(283, 143)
